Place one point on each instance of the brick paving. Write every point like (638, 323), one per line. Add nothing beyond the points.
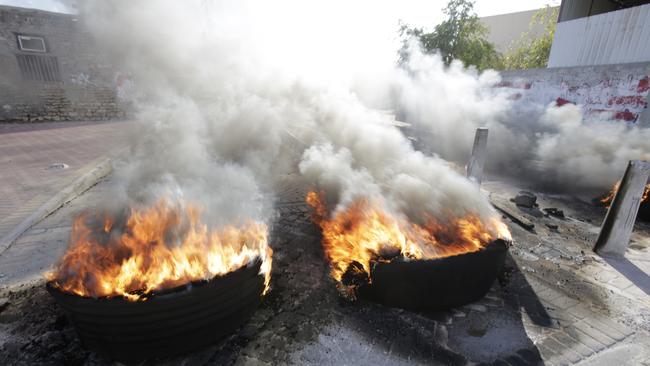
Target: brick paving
(600, 304)
(28, 150)
(34, 252)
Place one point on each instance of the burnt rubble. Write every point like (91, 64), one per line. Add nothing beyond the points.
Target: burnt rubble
(303, 320)
(525, 199)
(555, 212)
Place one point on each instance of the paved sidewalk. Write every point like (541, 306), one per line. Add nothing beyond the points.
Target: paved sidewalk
(34, 252)
(32, 157)
(598, 307)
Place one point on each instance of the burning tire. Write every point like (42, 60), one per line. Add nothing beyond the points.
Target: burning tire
(169, 322)
(385, 257)
(435, 284)
(157, 280)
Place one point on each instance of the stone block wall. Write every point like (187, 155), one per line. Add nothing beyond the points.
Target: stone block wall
(84, 87)
(56, 103)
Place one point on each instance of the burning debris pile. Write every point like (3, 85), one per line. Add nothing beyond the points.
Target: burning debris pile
(162, 268)
(644, 209)
(606, 200)
(365, 233)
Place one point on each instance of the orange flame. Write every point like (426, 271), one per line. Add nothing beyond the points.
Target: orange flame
(607, 200)
(153, 248)
(364, 232)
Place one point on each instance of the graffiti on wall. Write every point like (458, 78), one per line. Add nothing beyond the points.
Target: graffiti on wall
(620, 98)
(124, 86)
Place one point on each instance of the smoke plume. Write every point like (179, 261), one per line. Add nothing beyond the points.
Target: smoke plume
(545, 146)
(228, 98)
(224, 107)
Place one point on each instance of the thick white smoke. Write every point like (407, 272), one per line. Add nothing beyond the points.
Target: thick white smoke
(550, 147)
(224, 107)
(590, 154)
(231, 95)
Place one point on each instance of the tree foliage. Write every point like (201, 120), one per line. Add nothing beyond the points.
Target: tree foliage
(531, 50)
(460, 36)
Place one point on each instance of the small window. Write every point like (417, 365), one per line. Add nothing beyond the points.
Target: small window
(31, 43)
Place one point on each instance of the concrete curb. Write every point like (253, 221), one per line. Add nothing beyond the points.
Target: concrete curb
(79, 186)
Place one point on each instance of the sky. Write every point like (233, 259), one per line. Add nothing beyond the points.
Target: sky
(416, 12)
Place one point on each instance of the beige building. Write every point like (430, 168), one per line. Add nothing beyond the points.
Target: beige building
(505, 29)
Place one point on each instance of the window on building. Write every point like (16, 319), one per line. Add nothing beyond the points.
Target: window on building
(39, 68)
(31, 43)
(574, 9)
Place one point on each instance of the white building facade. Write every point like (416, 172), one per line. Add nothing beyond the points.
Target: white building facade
(601, 32)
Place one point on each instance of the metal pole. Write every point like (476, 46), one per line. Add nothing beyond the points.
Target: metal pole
(644, 118)
(477, 160)
(617, 227)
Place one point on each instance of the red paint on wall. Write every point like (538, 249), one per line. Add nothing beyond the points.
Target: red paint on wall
(626, 116)
(631, 100)
(620, 97)
(561, 101)
(644, 85)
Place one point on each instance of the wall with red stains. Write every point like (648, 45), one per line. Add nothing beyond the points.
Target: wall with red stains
(619, 92)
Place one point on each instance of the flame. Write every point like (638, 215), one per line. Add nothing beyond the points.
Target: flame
(152, 248)
(607, 200)
(365, 232)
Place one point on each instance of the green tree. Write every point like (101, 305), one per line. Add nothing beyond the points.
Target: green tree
(460, 36)
(532, 50)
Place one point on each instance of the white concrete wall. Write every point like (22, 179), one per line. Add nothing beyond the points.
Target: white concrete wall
(619, 92)
(616, 37)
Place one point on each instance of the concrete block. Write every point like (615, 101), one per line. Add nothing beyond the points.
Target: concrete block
(594, 333)
(580, 312)
(614, 330)
(552, 356)
(563, 350)
(548, 294)
(574, 344)
(644, 118)
(563, 302)
(477, 160)
(617, 227)
(584, 338)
